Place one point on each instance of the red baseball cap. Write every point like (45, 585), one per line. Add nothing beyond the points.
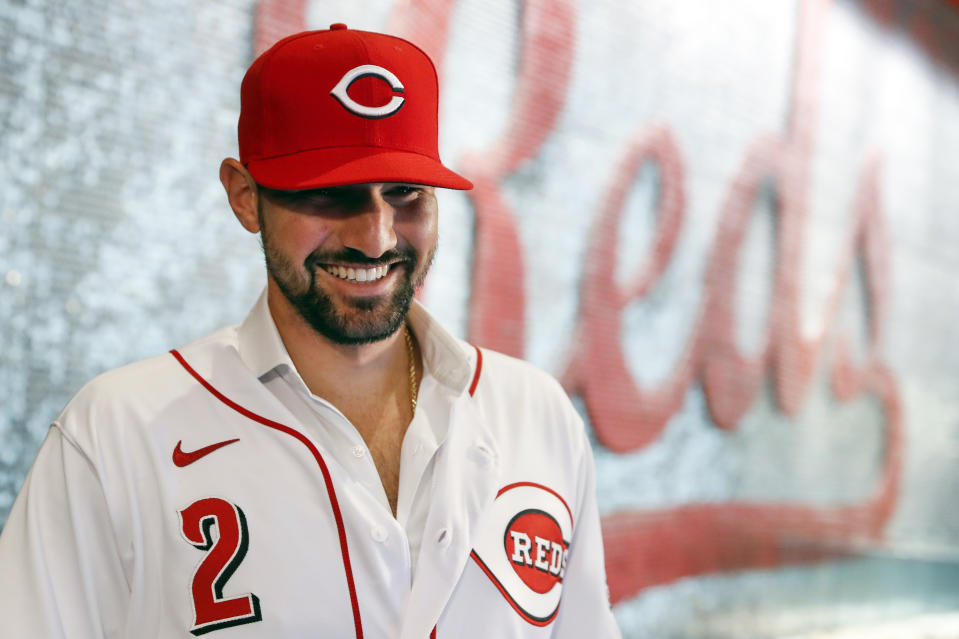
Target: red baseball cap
(340, 106)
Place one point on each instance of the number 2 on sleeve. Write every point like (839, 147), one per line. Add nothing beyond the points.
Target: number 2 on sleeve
(211, 609)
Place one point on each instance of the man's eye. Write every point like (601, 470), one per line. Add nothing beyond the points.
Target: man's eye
(319, 197)
(320, 194)
(403, 191)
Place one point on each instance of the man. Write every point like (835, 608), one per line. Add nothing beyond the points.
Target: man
(338, 465)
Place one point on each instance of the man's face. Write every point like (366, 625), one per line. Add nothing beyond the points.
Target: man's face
(349, 258)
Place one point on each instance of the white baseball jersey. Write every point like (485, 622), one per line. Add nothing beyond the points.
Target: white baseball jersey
(178, 496)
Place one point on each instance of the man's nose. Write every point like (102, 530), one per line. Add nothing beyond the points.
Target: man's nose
(370, 228)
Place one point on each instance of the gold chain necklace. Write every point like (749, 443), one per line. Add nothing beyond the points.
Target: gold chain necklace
(410, 355)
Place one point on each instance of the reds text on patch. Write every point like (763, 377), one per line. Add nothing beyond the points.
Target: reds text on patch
(535, 546)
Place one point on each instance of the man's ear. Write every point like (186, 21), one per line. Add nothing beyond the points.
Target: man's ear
(242, 193)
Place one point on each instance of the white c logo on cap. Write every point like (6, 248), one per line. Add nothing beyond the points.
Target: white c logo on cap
(366, 70)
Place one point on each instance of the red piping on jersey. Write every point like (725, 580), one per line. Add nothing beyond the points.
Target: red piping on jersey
(340, 528)
(479, 369)
(522, 613)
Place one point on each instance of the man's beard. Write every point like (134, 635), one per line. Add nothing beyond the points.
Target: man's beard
(374, 317)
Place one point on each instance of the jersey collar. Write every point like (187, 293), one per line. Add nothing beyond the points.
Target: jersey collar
(261, 347)
(262, 350)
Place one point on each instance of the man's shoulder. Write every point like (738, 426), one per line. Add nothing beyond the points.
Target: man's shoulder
(500, 365)
(141, 386)
(506, 376)
(528, 412)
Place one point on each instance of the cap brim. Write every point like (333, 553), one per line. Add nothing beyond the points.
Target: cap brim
(317, 168)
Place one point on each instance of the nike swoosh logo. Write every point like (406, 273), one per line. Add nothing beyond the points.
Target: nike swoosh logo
(181, 458)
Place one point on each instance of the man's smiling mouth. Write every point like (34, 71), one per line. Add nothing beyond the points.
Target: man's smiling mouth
(351, 274)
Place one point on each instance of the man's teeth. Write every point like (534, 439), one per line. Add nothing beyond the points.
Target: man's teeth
(358, 274)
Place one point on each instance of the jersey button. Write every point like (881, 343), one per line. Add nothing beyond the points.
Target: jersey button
(378, 533)
(358, 451)
(444, 537)
(481, 455)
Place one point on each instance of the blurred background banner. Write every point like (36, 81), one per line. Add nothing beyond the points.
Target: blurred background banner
(728, 227)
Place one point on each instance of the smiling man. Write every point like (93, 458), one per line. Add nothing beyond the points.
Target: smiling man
(338, 465)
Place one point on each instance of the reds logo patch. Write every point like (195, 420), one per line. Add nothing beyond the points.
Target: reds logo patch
(524, 549)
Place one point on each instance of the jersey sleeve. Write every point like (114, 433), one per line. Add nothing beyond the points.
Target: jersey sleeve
(585, 609)
(60, 570)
